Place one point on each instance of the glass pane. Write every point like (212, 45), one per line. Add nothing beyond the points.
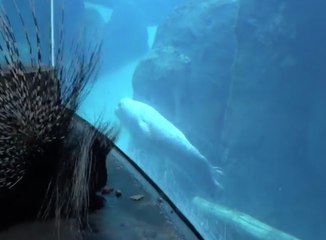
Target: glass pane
(220, 102)
(235, 86)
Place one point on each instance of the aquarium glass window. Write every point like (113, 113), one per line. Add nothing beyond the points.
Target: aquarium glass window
(222, 104)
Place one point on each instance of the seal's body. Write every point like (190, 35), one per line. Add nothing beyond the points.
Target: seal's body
(148, 127)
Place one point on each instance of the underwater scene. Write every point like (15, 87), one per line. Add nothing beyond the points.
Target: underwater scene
(221, 103)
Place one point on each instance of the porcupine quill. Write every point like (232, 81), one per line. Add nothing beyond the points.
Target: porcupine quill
(50, 164)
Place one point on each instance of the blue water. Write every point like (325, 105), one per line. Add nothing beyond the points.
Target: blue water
(243, 81)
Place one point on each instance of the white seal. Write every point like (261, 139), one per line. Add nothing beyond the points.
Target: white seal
(148, 126)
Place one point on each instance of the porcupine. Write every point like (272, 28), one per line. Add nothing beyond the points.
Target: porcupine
(50, 164)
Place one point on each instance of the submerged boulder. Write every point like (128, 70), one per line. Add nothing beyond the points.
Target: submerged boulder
(189, 68)
(244, 80)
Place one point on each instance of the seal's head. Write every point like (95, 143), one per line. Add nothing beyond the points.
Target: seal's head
(127, 111)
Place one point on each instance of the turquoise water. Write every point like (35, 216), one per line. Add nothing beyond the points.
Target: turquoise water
(228, 107)
(243, 82)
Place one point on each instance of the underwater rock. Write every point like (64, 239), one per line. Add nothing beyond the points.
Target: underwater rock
(189, 69)
(125, 35)
(275, 122)
(154, 12)
(130, 20)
